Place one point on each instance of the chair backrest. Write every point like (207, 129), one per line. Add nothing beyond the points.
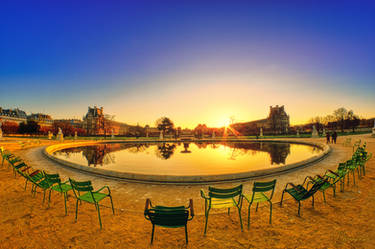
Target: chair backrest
(52, 178)
(14, 160)
(225, 193)
(341, 167)
(264, 187)
(19, 164)
(317, 185)
(79, 187)
(35, 177)
(168, 216)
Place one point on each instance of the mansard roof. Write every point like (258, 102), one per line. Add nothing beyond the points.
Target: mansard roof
(16, 113)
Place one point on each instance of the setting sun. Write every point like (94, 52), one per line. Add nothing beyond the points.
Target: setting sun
(225, 122)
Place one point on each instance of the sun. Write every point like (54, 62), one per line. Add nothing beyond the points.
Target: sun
(225, 122)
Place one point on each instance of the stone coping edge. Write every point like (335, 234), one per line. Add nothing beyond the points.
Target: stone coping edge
(186, 179)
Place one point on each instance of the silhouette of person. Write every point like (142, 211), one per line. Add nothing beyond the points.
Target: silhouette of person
(334, 137)
(328, 137)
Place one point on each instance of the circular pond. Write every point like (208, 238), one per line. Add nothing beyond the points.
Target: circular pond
(186, 161)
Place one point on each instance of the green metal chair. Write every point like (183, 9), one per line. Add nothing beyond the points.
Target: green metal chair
(5, 156)
(327, 184)
(262, 191)
(39, 180)
(56, 185)
(361, 156)
(337, 176)
(300, 193)
(352, 166)
(222, 198)
(83, 191)
(171, 217)
(347, 142)
(356, 145)
(13, 161)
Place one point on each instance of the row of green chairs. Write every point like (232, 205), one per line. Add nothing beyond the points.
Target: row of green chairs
(217, 198)
(83, 191)
(330, 178)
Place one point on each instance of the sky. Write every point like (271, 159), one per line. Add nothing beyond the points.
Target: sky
(192, 61)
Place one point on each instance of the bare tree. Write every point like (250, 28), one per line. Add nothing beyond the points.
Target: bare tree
(340, 115)
(108, 124)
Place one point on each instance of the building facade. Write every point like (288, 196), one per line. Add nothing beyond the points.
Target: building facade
(75, 123)
(43, 120)
(277, 122)
(95, 122)
(12, 115)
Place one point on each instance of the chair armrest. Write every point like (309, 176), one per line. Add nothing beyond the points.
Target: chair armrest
(245, 197)
(67, 181)
(148, 204)
(34, 173)
(289, 183)
(109, 191)
(191, 206)
(203, 195)
(321, 178)
(293, 186)
(332, 172)
(308, 177)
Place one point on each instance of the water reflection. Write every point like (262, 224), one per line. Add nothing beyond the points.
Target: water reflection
(165, 150)
(103, 154)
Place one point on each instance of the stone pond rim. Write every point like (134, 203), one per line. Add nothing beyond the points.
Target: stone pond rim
(186, 179)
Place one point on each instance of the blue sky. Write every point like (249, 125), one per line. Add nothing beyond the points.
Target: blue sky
(194, 61)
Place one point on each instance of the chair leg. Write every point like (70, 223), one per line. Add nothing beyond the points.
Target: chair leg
(256, 209)
(228, 211)
(49, 197)
(248, 216)
(348, 177)
(299, 208)
(65, 198)
(186, 234)
(239, 213)
(100, 220)
(313, 200)
(76, 209)
(25, 184)
(324, 196)
(152, 233)
(205, 226)
(113, 209)
(270, 212)
(282, 197)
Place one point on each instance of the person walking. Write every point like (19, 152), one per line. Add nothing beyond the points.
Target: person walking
(334, 137)
(328, 137)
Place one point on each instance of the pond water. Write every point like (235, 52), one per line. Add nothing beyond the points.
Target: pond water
(188, 158)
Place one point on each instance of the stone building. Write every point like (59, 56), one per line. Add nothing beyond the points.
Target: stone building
(43, 120)
(12, 115)
(75, 123)
(277, 122)
(95, 122)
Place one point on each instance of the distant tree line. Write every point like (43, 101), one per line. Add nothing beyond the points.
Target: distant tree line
(340, 119)
(33, 128)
